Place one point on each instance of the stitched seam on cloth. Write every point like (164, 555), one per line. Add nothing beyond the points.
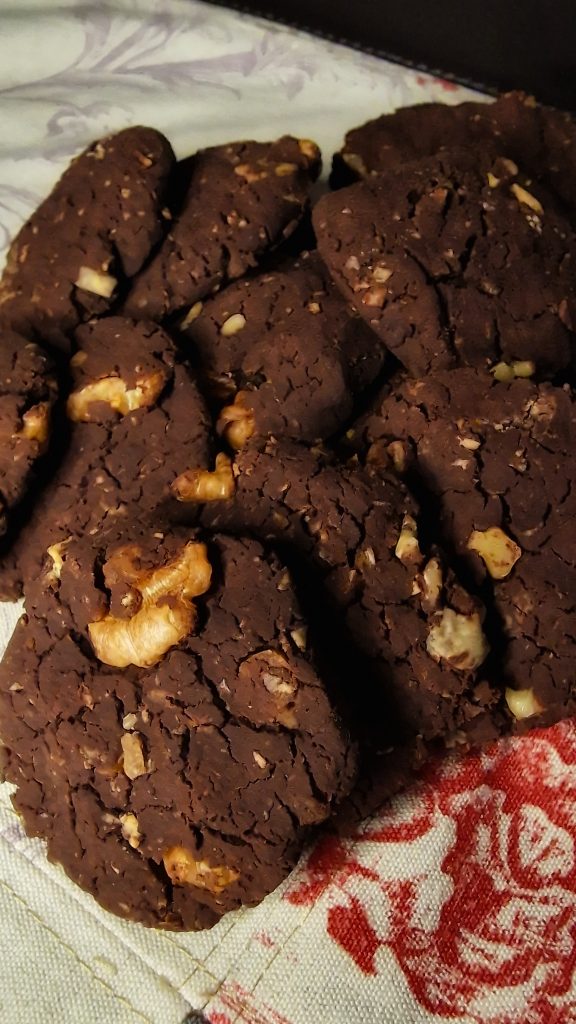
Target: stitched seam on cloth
(76, 957)
(41, 867)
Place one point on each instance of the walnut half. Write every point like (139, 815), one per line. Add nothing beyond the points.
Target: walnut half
(165, 614)
(114, 392)
(200, 485)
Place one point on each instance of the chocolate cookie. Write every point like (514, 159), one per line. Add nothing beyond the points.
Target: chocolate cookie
(28, 390)
(541, 140)
(412, 638)
(286, 353)
(184, 787)
(497, 461)
(240, 201)
(454, 263)
(135, 415)
(72, 258)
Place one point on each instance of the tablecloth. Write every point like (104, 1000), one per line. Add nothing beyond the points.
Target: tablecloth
(458, 902)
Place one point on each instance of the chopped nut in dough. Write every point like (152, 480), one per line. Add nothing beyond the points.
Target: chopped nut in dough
(232, 325)
(133, 762)
(35, 424)
(273, 672)
(523, 703)
(201, 485)
(457, 639)
(356, 163)
(236, 423)
(431, 583)
(130, 830)
(166, 614)
(96, 281)
(496, 549)
(113, 392)
(526, 198)
(183, 869)
(407, 548)
(55, 552)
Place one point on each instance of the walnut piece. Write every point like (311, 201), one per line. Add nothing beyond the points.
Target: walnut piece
(523, 703)
(407, 548)
(55, 552)
(430, 584)
(133, 762)
(183, 869)
(96, 281)
(166, 613)
(236, 423)
(356, 163)
(130, 830)
(527, 199)
(496, 549)
(233, 325)
(113, 391)
(505, 372)
(200, 485)
(35, 424)
(272, 671)
(309, 149)
(192, 314)
(457, 639)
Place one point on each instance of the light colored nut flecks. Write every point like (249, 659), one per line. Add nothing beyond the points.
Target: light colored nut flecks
(527, 199)
(96, 281)
(260, 760)
(430, 584)
(166, 613)
(201, 485)
(236, 423)
(36, 424)
(183, 869)
(505, 372)
(130, 831)
(355, 163)
(496, 549)
(232, 325)
(365, 559)
(133, 763)
(309, 149)
(300, 637)
(523, 703)
(56, 553)
(407, 548)
(397, 453)
(271, 670)
(113, 392)
(457, 639)
(249, 173)
(192, 314)
(284, 169)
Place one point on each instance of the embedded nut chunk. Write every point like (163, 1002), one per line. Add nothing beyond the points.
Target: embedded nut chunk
(96, 281)
(166, 613)
(457, 639)
(498, 551)
(113, 392)
(270, 675)
(249, 173)
(236, 423)
(523, 703)
(355, 163)
(133, 762)
(35, 424)
(55, 551)
(192, 314)
(407, 549)
(183, 869)
(397, 453)
(505, 372)
(232, 325)
(282, 170)
(309, 149)
(130, 830)
(526, 198)
(202, 485)
(431, 583)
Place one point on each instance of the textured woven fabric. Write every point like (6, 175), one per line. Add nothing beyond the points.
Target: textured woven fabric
(457, 904)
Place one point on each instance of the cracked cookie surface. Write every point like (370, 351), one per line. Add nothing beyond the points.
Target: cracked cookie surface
(240, 201)
(28, 391)
(497, 459)
(455, 261)
(176, 792)
(73, 257)
(135, 415)
(286, 350)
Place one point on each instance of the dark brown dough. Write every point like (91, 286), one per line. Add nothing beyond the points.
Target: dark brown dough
(180, 790)
(240, 201)
(454, 260)
(74, 255)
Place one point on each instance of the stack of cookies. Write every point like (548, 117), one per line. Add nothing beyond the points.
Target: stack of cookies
(288, 495)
